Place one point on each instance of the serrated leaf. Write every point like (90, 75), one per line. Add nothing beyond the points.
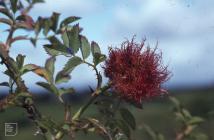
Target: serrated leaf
(73, 36)
(128, 117)
(21, 18)
(85, 47)
(28, 68)
(20, 60)
(195, 120)
(49, 65)
(66, 91)
(14, 5)
(38, 25)
(8, 73)
(33, 41)
(95, 48)
(37, 70)
(47, 26)
(56, 47)
(98, 58)
(186, 113)
(42, 72)
(124, 127)
(49, 87)
(175, 102)
(180, 116)
(55, 50)
(68, 20)
(55, 20)
(71, 64)
(24, 25)
(62, 77)
(6, 84)
(65, 38)
(54, 40)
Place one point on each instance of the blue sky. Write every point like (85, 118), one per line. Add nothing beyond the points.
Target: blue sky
(184, 30)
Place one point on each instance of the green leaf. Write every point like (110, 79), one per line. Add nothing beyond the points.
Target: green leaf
(66, 91)
(51, 88)
(68, 20)
(47, 26)
(128, 117)
(85, 47)
(98, 58)
(56, 47)
(71, 64)
(186, 113)
(124, 127)
(95, 48)
(21, 18)
(175, 101)
(38, 25)
(20, 60)
(42, 72)
(14, 5)
(49, 65)
(33, 41)
(150, 132)
(65, 39)
(180, 117)
(160, 137)
(195, 120)
(55, 50)
(74, 40)
(62, 77)
(37, 70)
(55, 20)
(28, 68)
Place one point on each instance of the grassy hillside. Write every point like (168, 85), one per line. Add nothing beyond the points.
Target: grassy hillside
(156, 113)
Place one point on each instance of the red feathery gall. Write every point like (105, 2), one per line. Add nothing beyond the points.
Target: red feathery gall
(136, 73)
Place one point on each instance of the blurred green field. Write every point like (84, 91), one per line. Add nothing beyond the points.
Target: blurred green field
(156, 113)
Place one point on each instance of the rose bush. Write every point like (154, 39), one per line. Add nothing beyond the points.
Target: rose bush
(135, 74)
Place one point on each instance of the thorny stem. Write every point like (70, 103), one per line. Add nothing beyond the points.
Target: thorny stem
(21, 87)
(11, 65)
(99, 78)
(67, 116)
(188, 129)
(10, 36)
(96, 94)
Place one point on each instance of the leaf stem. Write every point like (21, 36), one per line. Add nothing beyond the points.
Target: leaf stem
(95, 94)
(67, 116)
(99, 78)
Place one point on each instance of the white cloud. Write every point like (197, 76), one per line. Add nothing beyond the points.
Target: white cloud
(184, 30)
(70, 7)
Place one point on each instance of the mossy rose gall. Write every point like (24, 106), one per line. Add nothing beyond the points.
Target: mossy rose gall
(136, 72)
